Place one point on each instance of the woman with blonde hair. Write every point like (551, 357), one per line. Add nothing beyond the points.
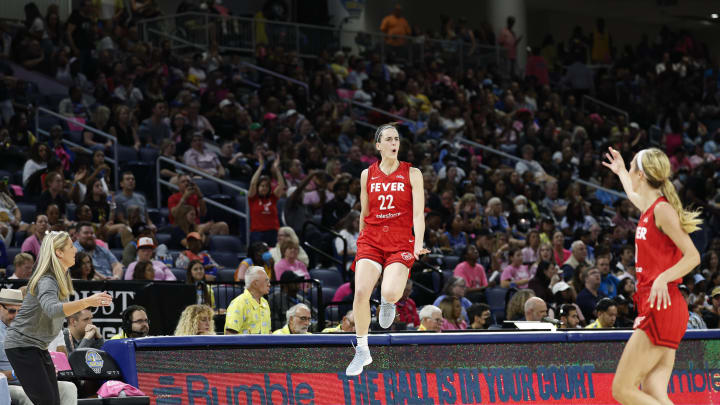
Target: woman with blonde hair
(664, 255)
(196, 320)
(516, 307)
(41, 316)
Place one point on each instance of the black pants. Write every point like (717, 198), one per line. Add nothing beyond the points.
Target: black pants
(36, 372)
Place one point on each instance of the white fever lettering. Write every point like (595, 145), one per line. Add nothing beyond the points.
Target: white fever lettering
(380, 187)
(640, 233)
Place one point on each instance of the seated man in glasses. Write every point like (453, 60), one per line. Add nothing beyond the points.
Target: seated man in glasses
(298, 321)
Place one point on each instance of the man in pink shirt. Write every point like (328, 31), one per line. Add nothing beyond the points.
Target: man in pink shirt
(145, 252)
(471, 271)
(509, 41)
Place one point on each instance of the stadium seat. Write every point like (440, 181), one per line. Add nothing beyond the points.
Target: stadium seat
(155, 217)
(449, 262)
(180, 274)
(327, 295)
(126, 154)
(496, 299)
(328, 277)
(231, 191)
(224, 294)
(207, 187)
(11, 253)
(225, 243)
(226, 275)
(28, 212)
(18, 238)
(70, 211)
(226, 259)
(162, 238)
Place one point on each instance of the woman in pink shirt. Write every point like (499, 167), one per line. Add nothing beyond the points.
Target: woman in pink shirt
(471, 271)
(561, 254)
(452, 314)
(515, 272)
(289, 250)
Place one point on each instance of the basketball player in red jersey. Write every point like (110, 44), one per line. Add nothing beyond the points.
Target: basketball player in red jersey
(393, 202)
(664, 253)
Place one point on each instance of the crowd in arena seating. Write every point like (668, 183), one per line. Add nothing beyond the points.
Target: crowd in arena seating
(501, 231)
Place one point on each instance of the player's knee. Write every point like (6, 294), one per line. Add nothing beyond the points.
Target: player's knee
(392, 296)
(363, 292)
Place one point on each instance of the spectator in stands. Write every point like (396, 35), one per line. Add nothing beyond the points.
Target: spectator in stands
(203, 159)
(136, 317)
(129, 198)
(249, 312)
(83, 268)
(532, 247)
(347, 324)
(189, 194)
(81, 332)
(508, 40)
(496, 219)
(124, 127)
(546, 276)
(337, 208)
(196, 320)
(298, 321)
(544, 254)
(348, 230)
(455, 287)
(195, 252)
(75, 106)
(104, 262)
(195, 276)
(431, 319)
(590, 295)
(184, 225)
(281, 300)
(607, 312)
(35, 166)
(155, 129)
(516, 306)
(395, 26)
(552, 201)
(576, 260)
(711, 315)
(284, 233)
(452, 314)
(626, 264)
(472, 272)
(146, 253)
(515, 272)
(264, 222)
(695, 320)
(99, 120)
(289, 262)
(10, 215)
(569, 317)
(610, 283)
(480, 316)
(31, 244)
(258, 255)
(55, 194)
(10, 302)
(406, 307)
(535, 309)
(23, 263)
(197, 121)
(455, 235)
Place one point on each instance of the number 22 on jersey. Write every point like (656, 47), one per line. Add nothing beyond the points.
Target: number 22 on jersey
(386, 199)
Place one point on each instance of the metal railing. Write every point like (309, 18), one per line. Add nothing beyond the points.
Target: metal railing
(279, 76)
(114, 160)
(359, 106)
(575, 178)
(592, 104)
(244, 34)
(244, 193)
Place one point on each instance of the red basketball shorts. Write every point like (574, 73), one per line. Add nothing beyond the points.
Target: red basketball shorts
(386, 245)
(664, 327)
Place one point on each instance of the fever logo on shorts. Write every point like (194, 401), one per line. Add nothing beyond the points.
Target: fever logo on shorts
(406, 255)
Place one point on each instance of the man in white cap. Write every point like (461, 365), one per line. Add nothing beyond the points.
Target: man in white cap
(10, 302)
(145, 253)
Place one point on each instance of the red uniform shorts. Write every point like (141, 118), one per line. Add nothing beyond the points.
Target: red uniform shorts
(386, 245)
(664, 327)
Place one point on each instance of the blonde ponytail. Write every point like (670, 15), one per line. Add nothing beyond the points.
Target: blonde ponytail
(689, 220)
(49, 264)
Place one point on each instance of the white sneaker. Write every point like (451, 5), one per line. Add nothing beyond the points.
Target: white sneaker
(387, 314)
(362, 358)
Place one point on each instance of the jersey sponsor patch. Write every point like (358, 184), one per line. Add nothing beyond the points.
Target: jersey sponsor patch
(406, 255)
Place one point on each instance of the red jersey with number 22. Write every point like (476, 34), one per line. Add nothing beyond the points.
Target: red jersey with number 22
(390, 197)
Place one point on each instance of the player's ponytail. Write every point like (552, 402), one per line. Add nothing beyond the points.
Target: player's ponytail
(689, 220)
(655, 164)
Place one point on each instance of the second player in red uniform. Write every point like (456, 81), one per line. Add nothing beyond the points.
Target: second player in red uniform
(664, 254)
(393, 202)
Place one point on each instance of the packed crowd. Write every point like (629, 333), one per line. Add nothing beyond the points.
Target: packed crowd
(514, 239)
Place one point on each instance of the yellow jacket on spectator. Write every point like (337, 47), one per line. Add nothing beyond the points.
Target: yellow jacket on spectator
(334, 329)
(282, 331)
